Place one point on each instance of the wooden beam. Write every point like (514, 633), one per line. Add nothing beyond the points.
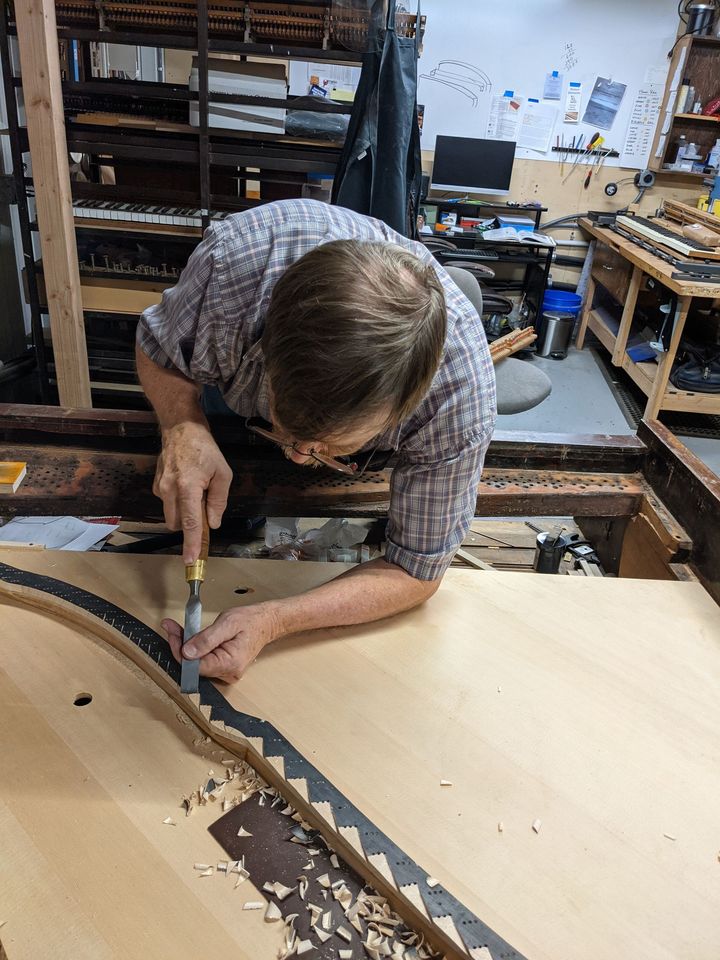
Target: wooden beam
(40, 65)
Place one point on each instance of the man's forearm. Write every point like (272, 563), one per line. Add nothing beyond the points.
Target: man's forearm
(174, 398)
(370, 591)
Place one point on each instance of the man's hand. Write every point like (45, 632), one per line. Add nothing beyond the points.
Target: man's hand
(191, 464)
(227, 647)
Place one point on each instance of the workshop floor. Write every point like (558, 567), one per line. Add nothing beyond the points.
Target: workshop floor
(582, 402)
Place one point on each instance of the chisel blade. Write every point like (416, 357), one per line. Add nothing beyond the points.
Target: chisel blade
(190, 669)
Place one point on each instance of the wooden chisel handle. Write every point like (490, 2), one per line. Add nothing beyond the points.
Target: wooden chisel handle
(196, 571)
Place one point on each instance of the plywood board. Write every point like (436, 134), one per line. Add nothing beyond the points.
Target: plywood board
(589, 705)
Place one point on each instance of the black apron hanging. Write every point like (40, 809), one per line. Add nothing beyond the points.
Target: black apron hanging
(380, 168)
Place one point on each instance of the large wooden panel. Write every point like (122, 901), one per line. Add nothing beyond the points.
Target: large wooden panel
(588, 704)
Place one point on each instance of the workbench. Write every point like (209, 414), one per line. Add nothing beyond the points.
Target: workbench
(652, 378)
(598, 724)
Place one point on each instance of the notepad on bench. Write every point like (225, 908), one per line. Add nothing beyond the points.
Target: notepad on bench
(12, 474)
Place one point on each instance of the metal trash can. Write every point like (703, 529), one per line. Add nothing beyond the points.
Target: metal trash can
(555, 334)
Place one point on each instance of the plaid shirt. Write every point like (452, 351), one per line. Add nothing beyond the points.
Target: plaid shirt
(209, 326)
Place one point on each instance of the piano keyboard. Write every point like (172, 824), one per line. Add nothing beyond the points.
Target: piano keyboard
(113, 211)
(652, 230)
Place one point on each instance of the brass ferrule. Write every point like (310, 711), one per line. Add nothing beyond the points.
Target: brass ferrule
(195, 571)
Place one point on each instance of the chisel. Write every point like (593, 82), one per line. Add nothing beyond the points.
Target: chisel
(194, 576)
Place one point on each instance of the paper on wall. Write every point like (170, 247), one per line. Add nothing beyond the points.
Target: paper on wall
(656, 76)
(536, 126)
(552, 89)
(504, 119)
(573, 102)
(641, 128)
(604, 103)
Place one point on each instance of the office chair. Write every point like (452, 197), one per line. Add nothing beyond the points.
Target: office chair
(520, 385)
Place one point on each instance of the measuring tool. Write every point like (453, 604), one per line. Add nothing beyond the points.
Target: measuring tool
(194, 575)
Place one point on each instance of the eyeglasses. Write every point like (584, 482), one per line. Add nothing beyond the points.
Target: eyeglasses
(347, 468)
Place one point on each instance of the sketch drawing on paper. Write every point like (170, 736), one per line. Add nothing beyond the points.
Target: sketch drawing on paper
(463, 77)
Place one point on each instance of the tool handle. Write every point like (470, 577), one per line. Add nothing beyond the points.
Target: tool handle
(196, 571)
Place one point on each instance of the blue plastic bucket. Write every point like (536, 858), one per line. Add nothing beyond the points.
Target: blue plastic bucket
(562, 300)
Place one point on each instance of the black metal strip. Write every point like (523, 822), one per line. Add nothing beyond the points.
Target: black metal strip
(438, 902)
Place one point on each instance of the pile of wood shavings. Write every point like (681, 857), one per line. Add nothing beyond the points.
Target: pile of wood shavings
(239, 783)
(384, 934)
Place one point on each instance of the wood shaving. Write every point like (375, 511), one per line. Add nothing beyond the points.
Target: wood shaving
(536, 825)
(345, 934)
(324, 881)
(202, 866)
(669, 836)
(446, 783)
(242, 832)
(302, 887)
(304, 946)
(273, 912)
(243, 875)
(253, 905)
(501, 826)
(327, 917)
(345, 954)
(207, 873)
(281, 891)
(170, 821)
(334, 861)
(432, 881)
(322, 935)
(310, 865)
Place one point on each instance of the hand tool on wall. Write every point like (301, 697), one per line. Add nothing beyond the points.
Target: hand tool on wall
(594, 162)
(194, 575)
(584, 154)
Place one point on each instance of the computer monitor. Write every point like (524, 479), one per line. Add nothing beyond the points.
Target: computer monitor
(473, 166)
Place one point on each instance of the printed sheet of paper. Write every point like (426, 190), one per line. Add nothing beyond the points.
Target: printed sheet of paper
(604, 103)
(504, 119)
(536, 126)
(573, 102)
(552, 89)
(641, 128)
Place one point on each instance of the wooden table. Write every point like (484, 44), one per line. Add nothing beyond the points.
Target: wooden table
(652, 378)
(589, 705)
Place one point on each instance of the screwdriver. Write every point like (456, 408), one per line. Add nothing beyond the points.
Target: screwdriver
(594, 162)
(590, 145)
(194, 576)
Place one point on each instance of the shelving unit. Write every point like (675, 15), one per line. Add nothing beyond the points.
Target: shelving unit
(139, 122)
(622, 269)
(698, 59)
(535, 261)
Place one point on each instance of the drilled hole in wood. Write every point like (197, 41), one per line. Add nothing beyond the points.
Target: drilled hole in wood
(242, 590)
(82, 699)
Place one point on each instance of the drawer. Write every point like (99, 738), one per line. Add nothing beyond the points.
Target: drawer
(612, 271)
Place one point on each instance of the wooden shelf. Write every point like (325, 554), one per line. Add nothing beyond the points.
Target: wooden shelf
(599, 326)
(696, 116)
(643, 374)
